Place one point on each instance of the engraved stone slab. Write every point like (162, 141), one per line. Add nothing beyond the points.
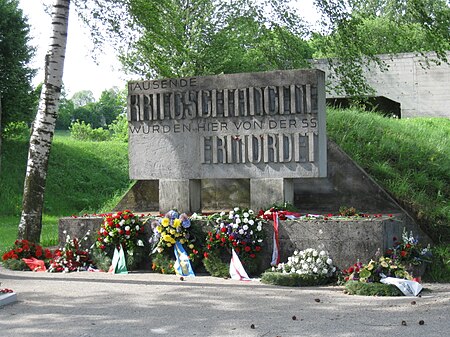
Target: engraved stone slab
(253, 125)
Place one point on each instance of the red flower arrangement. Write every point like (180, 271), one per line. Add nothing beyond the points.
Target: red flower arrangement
(24, 249)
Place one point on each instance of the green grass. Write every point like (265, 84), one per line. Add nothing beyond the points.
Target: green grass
(410, 158)
(83, 177)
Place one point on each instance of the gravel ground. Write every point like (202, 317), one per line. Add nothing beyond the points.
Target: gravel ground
(149, 304)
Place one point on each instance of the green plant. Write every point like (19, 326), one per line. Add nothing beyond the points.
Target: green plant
(82, 131)
(16, 131)
(439, 268)
(119, 128)
(371, 289)
(294, 279)
(347, 211)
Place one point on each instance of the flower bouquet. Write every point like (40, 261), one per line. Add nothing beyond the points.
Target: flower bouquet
(71, 257)
(364, 279)
(24, 249)
(239, 229)
(122, 229)
(411, 254)
(308, 267)
(167, 230)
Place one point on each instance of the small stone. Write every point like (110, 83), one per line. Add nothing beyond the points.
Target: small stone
(181, 278)
(252, 326)
(413, 302)
(403, 322)
(294, 318)
(317, 300)
(421, 322)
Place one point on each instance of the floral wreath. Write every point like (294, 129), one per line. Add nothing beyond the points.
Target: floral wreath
(123, 229)
(239, 229)
(167, 230)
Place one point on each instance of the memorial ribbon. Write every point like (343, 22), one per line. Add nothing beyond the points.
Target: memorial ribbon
(182, 264)
(237, 271)
(276, 242)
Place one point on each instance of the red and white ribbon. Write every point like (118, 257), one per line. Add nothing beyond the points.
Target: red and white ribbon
(276, 241)
(237, 271)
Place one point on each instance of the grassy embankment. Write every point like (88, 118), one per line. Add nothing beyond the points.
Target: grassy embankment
(83, 177)
(409, 157)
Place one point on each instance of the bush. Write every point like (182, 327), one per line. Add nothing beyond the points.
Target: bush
(439, 268)
(82, 131)
(295, 280)
(16, 131)
(119, 128)
(371, 289)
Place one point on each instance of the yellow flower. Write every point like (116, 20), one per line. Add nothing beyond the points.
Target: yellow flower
(191, 246)
(159, 229)
(176, 223)
(384, 264)
(169, 244)
(182, 241)
(167, 238)
(165, 222)
(172, 231)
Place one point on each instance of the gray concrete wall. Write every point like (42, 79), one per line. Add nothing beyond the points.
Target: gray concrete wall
(421, 91)
(345, 240)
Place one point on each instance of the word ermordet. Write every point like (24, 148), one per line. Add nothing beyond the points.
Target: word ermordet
(268, 124)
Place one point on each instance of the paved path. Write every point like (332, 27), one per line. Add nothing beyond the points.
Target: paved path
(148, 304)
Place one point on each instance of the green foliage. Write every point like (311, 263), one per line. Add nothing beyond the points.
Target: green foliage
(83, 107)
(408, 157)
(439, 268)
(371, 289)
(82, 131)
(119, 128)
(18, 98)
(294, 279)
(216, 267)
(354, 32)
(16, 131)
(82, 177)
(200, 37)
(163, 262)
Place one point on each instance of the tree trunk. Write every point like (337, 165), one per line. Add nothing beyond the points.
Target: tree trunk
(30, 225)
(1, 134)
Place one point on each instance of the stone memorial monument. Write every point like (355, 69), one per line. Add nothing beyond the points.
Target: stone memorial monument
(269, 127)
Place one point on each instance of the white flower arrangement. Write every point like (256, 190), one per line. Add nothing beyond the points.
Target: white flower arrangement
(308, 262)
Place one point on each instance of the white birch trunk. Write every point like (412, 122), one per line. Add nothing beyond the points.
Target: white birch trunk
(30, 225)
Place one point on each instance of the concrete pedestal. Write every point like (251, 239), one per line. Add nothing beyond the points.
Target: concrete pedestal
(183, 195)
(268, 191)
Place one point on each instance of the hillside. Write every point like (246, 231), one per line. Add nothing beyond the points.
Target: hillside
(410, 158)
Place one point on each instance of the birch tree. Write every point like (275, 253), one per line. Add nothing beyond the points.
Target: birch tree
(43, 126)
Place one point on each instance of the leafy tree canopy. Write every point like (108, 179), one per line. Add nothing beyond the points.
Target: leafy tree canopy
(356, 31)
(18, 98)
